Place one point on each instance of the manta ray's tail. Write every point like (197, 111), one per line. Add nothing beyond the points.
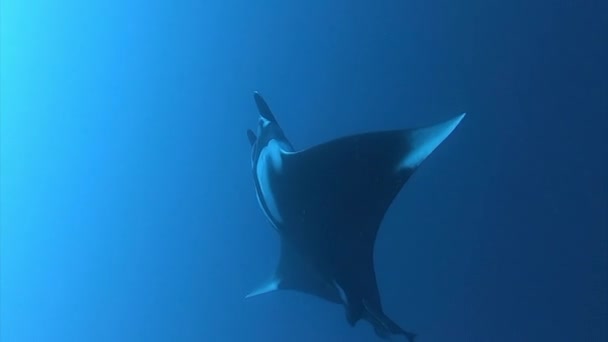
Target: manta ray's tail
(385, 327)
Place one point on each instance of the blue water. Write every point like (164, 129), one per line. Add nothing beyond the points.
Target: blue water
(127, 208)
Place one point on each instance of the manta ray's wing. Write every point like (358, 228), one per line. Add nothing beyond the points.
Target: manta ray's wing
(334, 197)
(294, 272)
(349, 183)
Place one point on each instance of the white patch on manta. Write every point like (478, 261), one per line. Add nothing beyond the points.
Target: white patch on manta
(269, 163)
(264, 122)
(424, 141)
(270, 286)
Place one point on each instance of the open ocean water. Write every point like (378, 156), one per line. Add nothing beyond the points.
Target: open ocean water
(127, 206)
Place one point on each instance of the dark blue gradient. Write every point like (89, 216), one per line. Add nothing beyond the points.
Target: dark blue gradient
(127, 208)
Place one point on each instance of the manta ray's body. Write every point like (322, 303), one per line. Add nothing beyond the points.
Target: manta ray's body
(327, 203)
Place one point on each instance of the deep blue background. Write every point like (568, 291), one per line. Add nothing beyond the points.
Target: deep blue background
(127, 204)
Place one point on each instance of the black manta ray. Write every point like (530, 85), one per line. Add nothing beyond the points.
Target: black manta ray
(327, 203)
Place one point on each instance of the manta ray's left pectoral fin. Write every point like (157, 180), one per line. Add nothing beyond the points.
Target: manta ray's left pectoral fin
(269, 286)
(294, 273)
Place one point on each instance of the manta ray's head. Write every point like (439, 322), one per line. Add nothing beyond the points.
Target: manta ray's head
(268, 129)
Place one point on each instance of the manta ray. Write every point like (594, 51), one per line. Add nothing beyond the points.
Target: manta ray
(327, 203)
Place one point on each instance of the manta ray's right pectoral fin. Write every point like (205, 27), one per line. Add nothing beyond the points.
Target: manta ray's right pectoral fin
(423, 141)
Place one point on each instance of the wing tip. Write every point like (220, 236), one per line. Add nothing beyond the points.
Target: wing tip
(458, 118)
(266, 287)
(425, 140)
